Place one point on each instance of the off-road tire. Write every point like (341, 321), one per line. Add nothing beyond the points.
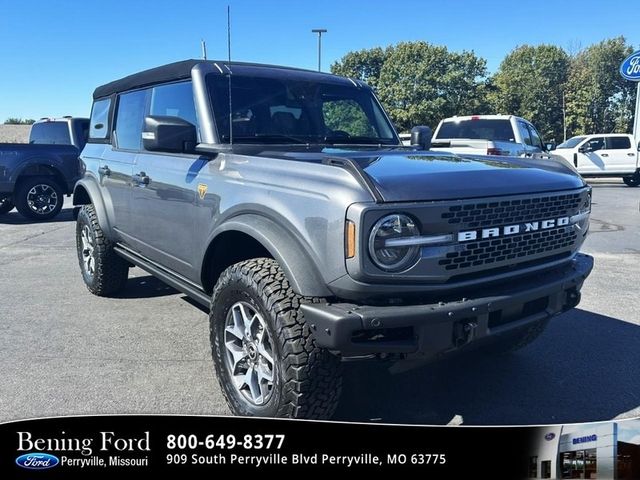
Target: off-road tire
(20, 197)
(632, 180)
(6, 205)
(307, 379)
(513, 341)
(110, 271)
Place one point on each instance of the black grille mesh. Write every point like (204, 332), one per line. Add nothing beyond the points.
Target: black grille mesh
(509, 248)
(508, 212)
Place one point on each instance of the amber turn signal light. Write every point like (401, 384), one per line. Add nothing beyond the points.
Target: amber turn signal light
(350, 239)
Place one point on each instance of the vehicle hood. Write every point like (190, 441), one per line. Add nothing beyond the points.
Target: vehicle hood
(401, 176)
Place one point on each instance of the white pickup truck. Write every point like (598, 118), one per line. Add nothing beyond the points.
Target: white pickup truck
(488, 135)
(603, 155)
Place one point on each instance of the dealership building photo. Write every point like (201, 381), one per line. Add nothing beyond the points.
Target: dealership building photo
(598, 450)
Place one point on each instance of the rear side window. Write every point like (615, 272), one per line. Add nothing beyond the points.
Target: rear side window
(174, 100)
(131, 108)
(99, 123)
(50, 133)
(618, 143)
(478, 130)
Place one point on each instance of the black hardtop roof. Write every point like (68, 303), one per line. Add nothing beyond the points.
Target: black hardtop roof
(182, 70)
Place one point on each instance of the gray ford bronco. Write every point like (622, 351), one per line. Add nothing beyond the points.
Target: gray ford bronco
(284, 201)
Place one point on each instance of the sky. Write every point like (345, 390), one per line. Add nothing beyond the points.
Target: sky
(54, 53)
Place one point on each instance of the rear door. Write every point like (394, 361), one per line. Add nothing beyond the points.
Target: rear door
(619, 154)
(526, 138)
(116, 167)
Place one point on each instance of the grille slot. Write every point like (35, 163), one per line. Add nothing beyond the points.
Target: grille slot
(516, 248)
(505, 212)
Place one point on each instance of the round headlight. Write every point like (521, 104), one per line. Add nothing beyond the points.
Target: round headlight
(386, 251)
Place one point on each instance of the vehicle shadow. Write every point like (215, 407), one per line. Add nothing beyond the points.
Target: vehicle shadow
(583, 368)
(14, 218)
(146, 286)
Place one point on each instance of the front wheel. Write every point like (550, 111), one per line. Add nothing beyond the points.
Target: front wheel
(6, 205)
(265, 356)
(632, 180)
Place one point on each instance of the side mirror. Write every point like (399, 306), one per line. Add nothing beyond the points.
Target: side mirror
(421, 137)
(585, 149)
(168, 134)
(550, 146)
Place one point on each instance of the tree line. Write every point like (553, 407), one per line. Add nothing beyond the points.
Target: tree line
(420, 84)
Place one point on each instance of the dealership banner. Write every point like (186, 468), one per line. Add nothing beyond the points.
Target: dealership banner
(123, 446)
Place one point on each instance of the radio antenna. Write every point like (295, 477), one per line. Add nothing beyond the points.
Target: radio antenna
(229, 70)
(203, 45)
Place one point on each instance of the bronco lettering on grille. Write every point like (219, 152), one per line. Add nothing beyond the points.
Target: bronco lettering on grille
(495, 232)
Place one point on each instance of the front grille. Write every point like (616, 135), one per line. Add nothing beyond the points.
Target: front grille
(515, 247)
(506, 212)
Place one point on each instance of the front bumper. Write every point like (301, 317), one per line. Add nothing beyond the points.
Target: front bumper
(353, 330)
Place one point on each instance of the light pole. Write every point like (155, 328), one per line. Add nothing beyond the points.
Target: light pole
(319, 31)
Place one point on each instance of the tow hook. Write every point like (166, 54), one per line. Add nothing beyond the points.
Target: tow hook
(573, 299)
(463, 332)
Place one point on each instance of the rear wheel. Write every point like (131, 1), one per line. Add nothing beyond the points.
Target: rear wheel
(6, 205)
(104, 273)
(266, 359)
(632, 180)
(39, 198)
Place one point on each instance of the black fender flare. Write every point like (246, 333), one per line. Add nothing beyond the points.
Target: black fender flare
(292, 255)
(86, 191)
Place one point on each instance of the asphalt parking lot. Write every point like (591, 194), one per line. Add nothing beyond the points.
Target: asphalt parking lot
(64, 351)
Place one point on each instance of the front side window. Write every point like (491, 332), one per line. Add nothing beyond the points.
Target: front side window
(536, 141)
(524, 133)
(174, 100)
(283, 110)
(571, 143)
(595, 144)
(618, 143)
(99, 123)
(131, 110)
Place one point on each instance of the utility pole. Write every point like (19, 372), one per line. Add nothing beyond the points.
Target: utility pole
(203, 45)
(319, 31)
(564, 117)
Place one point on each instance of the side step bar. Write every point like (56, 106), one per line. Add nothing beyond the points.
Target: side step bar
(165, 275)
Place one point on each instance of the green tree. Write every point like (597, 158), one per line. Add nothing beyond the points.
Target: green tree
(419, 83)
(599, 100)
(364, 64)
(530, 83)
(19, 121)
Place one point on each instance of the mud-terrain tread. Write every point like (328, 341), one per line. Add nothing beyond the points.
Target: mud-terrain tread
(312, 376)
(111, 270)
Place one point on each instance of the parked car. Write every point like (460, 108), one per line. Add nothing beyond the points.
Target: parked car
(488, 135)
(293, 213)
(603, 155)
(34, 177)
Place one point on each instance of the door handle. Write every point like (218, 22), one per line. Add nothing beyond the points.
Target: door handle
(106, 171)
(631, 154)
(604, 154)
(141, 178)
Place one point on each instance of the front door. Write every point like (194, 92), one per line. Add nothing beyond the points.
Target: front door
(589, 156)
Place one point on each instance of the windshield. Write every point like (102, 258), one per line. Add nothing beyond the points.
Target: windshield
(478, 129)
(571, 143)
(285, 111)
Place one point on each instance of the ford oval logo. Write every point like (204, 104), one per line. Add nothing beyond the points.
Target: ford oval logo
(37, 461)
(630, 68)
(549, 436)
